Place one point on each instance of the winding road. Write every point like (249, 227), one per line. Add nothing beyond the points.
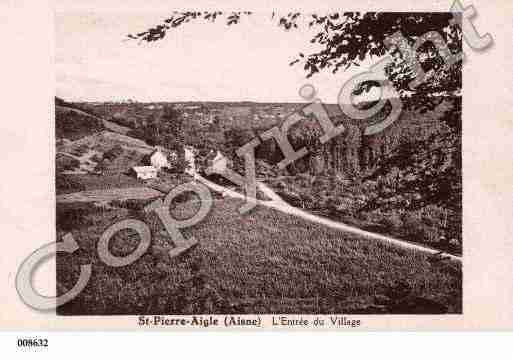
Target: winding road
(279, 204)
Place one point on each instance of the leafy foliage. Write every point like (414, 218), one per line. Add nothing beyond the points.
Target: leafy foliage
(347, 39)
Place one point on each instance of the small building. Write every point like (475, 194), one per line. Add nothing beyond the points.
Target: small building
(145, 172)
(159, 160)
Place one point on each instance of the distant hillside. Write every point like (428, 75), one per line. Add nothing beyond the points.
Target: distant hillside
(75, 121)
(73, 124)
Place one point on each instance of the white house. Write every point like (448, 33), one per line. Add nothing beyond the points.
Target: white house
(159, 160)
(219, 163)
(191, 162)
(145, 172)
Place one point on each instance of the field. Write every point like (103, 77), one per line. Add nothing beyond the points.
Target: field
(261, 262)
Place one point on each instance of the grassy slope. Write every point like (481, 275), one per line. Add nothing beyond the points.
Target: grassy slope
(262, 262)
(73, 124)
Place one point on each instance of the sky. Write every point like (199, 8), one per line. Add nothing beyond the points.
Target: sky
(196, 62)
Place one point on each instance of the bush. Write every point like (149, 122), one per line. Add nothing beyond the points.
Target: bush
(392, 222)
(67, 184)
(114, 152)
(412, 227)
(416, 229)
(178, 165)
(66, 163)
(96, 158)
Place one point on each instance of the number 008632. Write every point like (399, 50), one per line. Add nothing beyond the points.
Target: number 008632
(32, 342)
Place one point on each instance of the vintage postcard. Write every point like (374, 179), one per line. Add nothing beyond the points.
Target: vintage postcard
(273, 168)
